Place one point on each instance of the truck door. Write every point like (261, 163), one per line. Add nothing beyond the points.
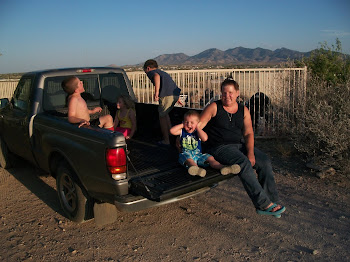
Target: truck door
(16, 120)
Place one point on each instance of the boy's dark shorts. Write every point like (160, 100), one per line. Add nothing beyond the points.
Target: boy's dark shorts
(95, 122)
(166, 103)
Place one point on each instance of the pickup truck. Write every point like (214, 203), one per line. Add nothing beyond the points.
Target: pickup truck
(92, 165)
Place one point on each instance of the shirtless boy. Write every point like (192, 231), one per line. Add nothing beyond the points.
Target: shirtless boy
(78, 112)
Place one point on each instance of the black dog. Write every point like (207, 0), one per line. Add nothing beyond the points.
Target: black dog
(259, 106)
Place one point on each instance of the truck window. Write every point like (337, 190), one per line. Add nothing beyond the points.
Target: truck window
(21, 96)
(112, 86)
(55, 98)
(92, 90)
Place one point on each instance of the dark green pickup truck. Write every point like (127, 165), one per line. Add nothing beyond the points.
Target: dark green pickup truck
(91, 165)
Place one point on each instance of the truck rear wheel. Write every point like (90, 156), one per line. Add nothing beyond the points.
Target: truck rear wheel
(4, 155)
(74, 201)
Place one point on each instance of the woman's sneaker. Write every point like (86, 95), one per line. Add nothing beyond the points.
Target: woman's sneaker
(234, 169)
(197, 171)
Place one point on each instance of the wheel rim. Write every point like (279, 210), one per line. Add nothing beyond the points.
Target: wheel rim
(68, 193)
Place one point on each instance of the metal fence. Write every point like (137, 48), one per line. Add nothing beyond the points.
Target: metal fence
(7, 87)
(270, 93)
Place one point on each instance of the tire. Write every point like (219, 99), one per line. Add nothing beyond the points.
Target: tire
(76, 204)
(4, 155)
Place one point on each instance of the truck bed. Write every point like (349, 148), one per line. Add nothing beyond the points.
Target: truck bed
(156, 174)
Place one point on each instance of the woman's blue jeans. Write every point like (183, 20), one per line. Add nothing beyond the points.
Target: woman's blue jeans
(262, 188)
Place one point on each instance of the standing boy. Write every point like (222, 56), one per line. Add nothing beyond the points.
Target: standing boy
(78, 112)
(166, 92)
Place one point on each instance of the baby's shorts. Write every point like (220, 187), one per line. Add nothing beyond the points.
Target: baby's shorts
(198, 157)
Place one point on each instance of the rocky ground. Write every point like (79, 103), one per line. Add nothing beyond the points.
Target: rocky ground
(220, 225)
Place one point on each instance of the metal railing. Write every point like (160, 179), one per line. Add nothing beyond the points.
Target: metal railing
(7, 87)
(270, 93)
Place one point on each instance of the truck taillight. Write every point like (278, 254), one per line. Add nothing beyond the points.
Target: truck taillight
(116, 162)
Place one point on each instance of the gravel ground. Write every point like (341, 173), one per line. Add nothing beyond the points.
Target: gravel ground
(220, 225)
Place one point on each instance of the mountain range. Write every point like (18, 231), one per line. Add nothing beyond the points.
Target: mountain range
(234, 56)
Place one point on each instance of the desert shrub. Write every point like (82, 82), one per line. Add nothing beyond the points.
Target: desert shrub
(329, 64)
(322, 126)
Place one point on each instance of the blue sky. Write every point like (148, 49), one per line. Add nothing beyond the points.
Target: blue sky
(40, 34)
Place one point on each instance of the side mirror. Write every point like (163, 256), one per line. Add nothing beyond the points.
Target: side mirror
(3, 102)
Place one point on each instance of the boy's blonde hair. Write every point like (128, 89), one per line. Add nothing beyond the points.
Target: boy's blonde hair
(129, 103)
(191, 113)
(68, 84)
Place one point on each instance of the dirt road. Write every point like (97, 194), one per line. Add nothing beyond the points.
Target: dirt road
(220, 225)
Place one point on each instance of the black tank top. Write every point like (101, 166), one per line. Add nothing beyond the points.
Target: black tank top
(225, 128)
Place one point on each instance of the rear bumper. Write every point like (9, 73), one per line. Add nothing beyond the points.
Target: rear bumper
(140, 203)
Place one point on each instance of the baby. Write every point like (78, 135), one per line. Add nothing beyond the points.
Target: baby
(191, 155)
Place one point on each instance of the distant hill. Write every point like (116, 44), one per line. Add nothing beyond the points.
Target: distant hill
(238, 55)
(172, 59)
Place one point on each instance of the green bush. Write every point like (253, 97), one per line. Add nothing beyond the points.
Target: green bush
(329, 64)
(322, 126)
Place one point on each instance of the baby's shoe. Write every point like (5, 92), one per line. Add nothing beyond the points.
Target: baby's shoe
(234, 169)
(197, 171)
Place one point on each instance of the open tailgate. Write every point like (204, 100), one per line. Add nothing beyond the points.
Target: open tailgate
(156, 174)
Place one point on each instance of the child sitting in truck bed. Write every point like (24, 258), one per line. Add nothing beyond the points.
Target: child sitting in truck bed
(78, 112)
(125, 118)
(191, 156)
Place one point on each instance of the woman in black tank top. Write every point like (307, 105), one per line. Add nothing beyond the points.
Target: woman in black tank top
(224, 127)
(231, 141)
